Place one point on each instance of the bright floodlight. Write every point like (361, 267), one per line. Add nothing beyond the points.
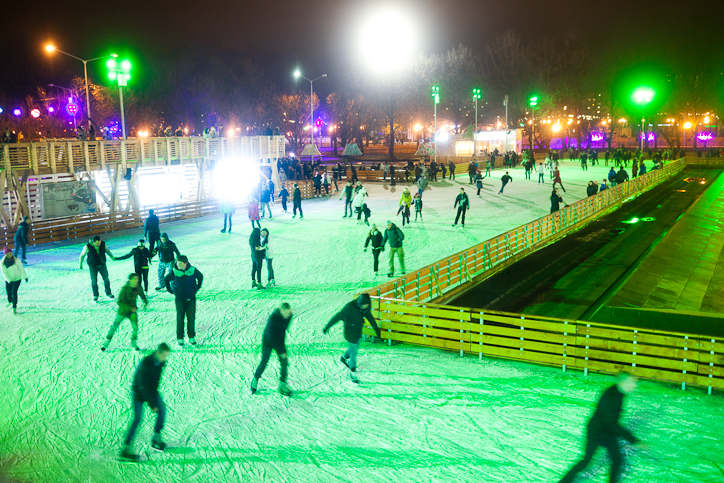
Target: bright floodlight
(556, 127)
(297, 73)
(687, 125)
(387, 40)
(50, 47)
(643, 95)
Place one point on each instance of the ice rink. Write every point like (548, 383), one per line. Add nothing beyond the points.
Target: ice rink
(420, 415)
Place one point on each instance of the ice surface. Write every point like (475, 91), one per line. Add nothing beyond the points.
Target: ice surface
(419, 415)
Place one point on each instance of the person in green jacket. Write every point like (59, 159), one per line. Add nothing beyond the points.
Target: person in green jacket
(127, 309)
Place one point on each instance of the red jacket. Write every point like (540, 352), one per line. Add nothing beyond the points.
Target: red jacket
(254, 211)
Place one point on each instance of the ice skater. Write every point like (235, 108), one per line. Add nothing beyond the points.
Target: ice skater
(478, 181)
(269, 256)
(21, 238)
(395, 237)
(540, 169)
(184, 281)
(505, 179)
(462, 202)
(14, 273)
(417, 202)
(96, 250)
(405, 202)
(353, 315)
(284, 194)
(358, 202)
(257, 258)
(266, 198)
(375, 238)
(141, 261)
(297, 202)
(228, 208)
(151, 230)
(253, 210)
(167, 253)
(604, 429)
(422, 184)
(556, 201)
(557, 178)
(145, 391)
(273, 339)
(127, 309)
(347, 195)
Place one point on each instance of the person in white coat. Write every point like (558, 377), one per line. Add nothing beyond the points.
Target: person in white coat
(14, 273)
(358, 203)
(269, 254)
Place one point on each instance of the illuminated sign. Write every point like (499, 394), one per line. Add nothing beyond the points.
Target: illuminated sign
(596, 137)
(705, 136)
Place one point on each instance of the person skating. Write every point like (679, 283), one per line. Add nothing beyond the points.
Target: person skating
(604, 429)
(151, 230)
(417, 202)
(478, 181)
(273, 339)
(395, 237)
(127, 309)
(393, 181)
(472, 169)
(422, 184)
(257, 258)
(269, 256)
(540, 169)
(505, 180)
(167, 253)
(353, 315)
(297, 202)
(556, 201)
(21, 239)
(253, 212)
(96, 251)
(358, 203)
(347, 195)
(451, 167)
(317, 179)
(405, 202)
(374, 237)
(557, 178)
(612, 176)
(14, 273)
(284, 194)
(462, 203)
(141, 261)
(265, 199)
(184, 281)
(145, 391)
(228, 208)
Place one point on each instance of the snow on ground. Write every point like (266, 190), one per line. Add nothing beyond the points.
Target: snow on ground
(420, 414)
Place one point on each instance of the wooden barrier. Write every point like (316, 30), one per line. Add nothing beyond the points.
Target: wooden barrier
(570, 344)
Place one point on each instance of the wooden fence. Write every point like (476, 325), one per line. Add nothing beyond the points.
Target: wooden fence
(569, 344)
(455, 274)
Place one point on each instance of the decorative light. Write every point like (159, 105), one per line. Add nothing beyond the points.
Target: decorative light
(17, 112)
(706, 120)
(705, 136)
(596, 137)
(50, 47)
(687, 125)
(51, 109)
(556, 127)
(643, 95)
(417, 127)
(35, 113)
(622, 121)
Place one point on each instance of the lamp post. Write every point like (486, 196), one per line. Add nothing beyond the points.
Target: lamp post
(120, 72)
(435, 100)
(50, 48)
(298, 74)
(505, 103)
(642, 96)
(533, 101)
(476, 97)
(687, 126)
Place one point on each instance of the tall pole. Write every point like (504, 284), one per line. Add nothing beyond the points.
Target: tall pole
(475, 135)
(123, 119)
(506, 123)
(435, 134)
(311, 108)
(643, 134)
(87, 97)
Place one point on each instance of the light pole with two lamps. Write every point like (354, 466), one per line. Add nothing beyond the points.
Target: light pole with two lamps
(298, 74)
(642, 96)
(476, 98)
(435, 100)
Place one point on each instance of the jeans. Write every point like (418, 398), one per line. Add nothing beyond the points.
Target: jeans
(351, 355)
(185, 309)
(138, 414)
(227, 216)
(348, 204)
(284, 204)
(133, 318)
(592, 443)
(461, 211)
(452, 173)
(143, 275)
(265, 206)
(540, 178)
(269, 269)
(256, 265)
(162, 266)
(266, 350)
(20, 246)
(257, 222)
(376, 258)
(94, 271)
(12, 290)
(502, 188)
(297, 206)
(400, 256)
(153, 238)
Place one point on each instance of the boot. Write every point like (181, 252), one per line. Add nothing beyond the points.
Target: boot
(157, 442)
(128, 455)
(254, 385)
(284, 389)
(105, 345)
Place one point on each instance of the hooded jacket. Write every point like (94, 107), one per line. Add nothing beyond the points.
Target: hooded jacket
(141, 257)
(147, 379)
(14, 272)
(127, 299)
(375, 239)
(394, 235)
(151, 225)
(167, 252)
(184, 283)
(353, 317)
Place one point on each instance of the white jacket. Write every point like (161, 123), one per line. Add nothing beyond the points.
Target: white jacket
(359, 198)
(268, 247)
(14, 272)
(540, 168)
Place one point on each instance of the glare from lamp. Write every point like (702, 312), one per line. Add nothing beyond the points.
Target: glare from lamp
(382, 29)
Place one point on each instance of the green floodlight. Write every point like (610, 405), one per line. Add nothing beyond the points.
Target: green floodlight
(111, 64)
(533, 101)
(112, 75)
(436, 94)
(476, 94)
(126, 65)
(643, 95)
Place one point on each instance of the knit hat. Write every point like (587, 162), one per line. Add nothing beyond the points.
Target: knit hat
(6, 250)
(363, 299)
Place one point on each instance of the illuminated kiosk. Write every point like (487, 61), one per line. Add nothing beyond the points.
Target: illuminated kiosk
(462, 145)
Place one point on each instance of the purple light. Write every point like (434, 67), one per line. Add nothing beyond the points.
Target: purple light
(17, 112)
(651, 136)
(51, 109)
(71, 109)
(596, 137)
(705, 136)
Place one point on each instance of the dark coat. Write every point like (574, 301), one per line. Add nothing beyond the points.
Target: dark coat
(147, 379)
(96, 256)
(463, 200)
(151, 225)
(375, 239)
(22, 233)
(185, 283)
(297, 196)
(141, 257)
(604, 422)
(276, 328)
(284, 194)
(394, 235)
(621, 176)
(353, 317)
(556, 203)
(167, 252)
(591, 189)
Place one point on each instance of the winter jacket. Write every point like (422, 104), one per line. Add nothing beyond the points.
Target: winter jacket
(284, 194)
(347, 192)
(451, 167)
(557, 177)
(317, 180)
(406, 198)
(591, 189)
(228, 207)
(642, 169)
(359, 198)
(418, 204)
(463, 200)
(540, 168)
(621, 176)
(22, 232)
(185, 282)
(268, 250)
(376, 240)
(604, 422)
(612, 175)
(422, 183)
(479, 181)
(276, 328)
(471, 169)
(265, 196)
(603, 187)
(151, 225)
(14, 271)
(127, 299)
(555, 203)
(147, 379)
(297, 196)
(141, 257)
(253, 210)
(506, 179)
(167, 252)
(394, 235)
(258, 254)
(96, 256)
(353, 317)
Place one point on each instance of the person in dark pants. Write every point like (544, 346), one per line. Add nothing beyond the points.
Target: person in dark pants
(141, 261)
(393, 181)
(273, 340)
(347, 194)
(284, 194)
(463, 204)
(151, 230)
(21, 238)
(505, 179)
(96, 251)
(479, 181)
(145, 391)
(375, 238)
(257, 258)
(604, 429)
(297, 202)
(556, 201)
(353, 315)
(451, 167)
(13, 273)
(184, 281)
(167, 253)
(127, 309)
(228, 208)
(269, 256)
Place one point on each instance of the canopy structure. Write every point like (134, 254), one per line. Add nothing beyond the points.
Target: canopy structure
(310, 150)
(425, 149)
(351, 149)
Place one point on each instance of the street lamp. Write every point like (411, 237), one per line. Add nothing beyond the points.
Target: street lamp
(642, 96)
(476, 97)
(297, 74)
(435, 100)
(121, 73)
(533, 101)
(50, 48)
(687, 126)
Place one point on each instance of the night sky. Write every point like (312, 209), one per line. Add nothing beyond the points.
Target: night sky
(319, 35)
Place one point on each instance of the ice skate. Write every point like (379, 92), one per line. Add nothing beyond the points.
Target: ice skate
(284, 389)
(157, 443)
(301, 217)
(105, 345)
(343, 360)
(272, 282)
(134, 346)
(25, 262)
(294, 216)
(128, 455)
(353, 377)
(223, 231)
(15, 311)
(254, 385)
(192, 340)
(253, 284)
(159, 288)
(260, 287)
(390, 275)
(95, 299)
(111, 296)
(180, 342)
